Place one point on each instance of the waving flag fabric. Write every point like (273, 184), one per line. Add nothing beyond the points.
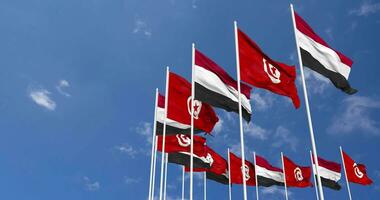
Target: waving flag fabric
(214, 86)
(296, 176)
(179, 105)
(330, 173)
(268, 175)
(259, 70)
(200, 160)
(356, 173)
(236, 171)
(320, 57)
(181, 143)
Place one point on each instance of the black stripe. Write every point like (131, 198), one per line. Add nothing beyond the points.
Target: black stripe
(329, 183)
(184, 159)
(337, 79)
(218, 178)
(267, 182)
(220, 101)
(170, 130)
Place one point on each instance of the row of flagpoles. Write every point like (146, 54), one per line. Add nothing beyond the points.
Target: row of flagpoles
(253, 67)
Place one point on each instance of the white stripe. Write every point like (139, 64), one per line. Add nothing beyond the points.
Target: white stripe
(326, 56)
(212, 82)
(274, 175)
(169, 122)
(328, 174)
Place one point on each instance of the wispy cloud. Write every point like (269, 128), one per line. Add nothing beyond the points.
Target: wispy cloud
(62, 85)
(141, 27)
(42, 98)
(329, 33)
(366, 8)
(130, 180)
(355, 115)
(283, 137)
(262, 100)
(218, 127)
(91, 185)
(274, 191)
(127, 149)
(316, 83)
(256, 131)
(145, 129)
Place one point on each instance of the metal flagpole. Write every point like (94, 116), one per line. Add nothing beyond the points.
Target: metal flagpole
(284, 174)
(153, 145)
(345, 173)
(166, 174)
(204, 186)
(183, 182)
(307, 107)
(240, 112)
(192, 121)
(257, 182)
(164, 132)
(315, 181)
(229, 175)
(154, 164)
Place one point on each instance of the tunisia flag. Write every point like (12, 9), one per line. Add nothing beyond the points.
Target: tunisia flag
(236, 169)
(296, 176)
(179, 105)
(257, 69)
(181, 143)
(356, 173)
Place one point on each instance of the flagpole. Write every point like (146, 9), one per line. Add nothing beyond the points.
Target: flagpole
(315, 181)
(283, 169)
(154, 163)
(166, 174)
(229, 175)
(240, 112)
(192, 121)
(307, 108)
(183, 182)
(345, 173)
(204, 186)
(164, 132)
(257, 183)
(153, 145)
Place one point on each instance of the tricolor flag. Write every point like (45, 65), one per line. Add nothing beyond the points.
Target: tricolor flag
(179, 105)
(181, 143)
(296, 175)
(356, 173)
(259, 70)
(172, 126)
(214, 86)
(236, 171)
(268, 175)
(329, 172)
(218, 170)
(320, 57)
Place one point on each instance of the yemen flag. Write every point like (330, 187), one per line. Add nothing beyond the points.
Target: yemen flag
(214, 86)
(320, 57)
(218, 170)
(296, 176)
(236, 171)
(259, 70)
(172, 126)
(329, 172)
(267, 175)
(179, 105)
(181, 143)
(356, 173)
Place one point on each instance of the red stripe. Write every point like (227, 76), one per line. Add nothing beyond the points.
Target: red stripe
(161, 101)
(304, 28)
(260, 161)
(333, 166)
(203, 61)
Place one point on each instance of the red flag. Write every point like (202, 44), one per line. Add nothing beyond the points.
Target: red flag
(356, 173)
(296, 176)
(218, 165)
(181, 143)
(236, 169)
(179, 105)
(259, 70)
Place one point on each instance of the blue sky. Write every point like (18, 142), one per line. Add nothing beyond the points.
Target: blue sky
(77, 88)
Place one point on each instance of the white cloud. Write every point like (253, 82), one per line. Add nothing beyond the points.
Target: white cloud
(283, 137)
(127, 149)
(255, 131)
(129, 180)
(41, 97)
(356, 116)
(366, 8)
(141, 27)
(194, 4)
(62, 84)
(316, 83)
(274, 191)
(329, 33)
(91, 185)
(262, 101)
(145, 129)
(218, 126)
